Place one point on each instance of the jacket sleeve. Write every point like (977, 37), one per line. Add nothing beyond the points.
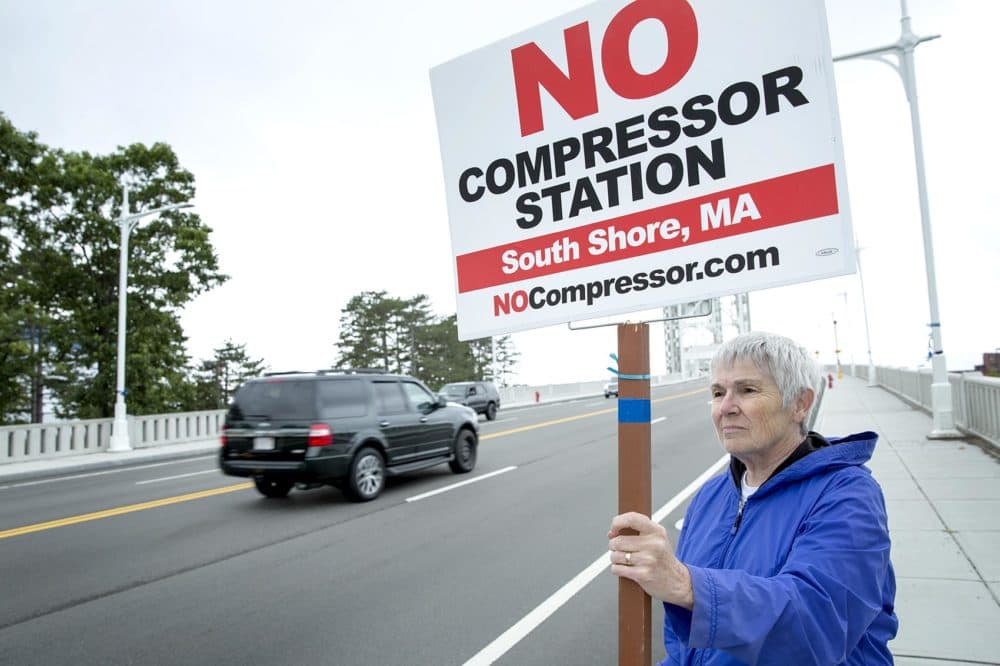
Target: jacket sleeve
(818, 606)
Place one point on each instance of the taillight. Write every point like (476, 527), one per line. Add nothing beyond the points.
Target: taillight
(222, 436)
(320, 435)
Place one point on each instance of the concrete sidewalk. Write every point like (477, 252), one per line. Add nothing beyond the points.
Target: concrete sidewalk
(943, 499)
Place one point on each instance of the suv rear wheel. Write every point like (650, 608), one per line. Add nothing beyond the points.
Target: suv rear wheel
(491, 411)
(367, 477)
(465, 453)
(272, 487)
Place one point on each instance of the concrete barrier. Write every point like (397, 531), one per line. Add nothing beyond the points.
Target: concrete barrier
(39, 441)
(53, 440)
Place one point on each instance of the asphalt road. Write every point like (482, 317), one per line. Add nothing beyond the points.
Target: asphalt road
(174, 563)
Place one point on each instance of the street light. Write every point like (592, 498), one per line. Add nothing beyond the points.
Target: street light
(836, 347)
(848, 330)
(119, 431)
(864, 309)
(941, 410)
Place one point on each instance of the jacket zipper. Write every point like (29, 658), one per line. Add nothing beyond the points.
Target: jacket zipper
(739, 517)
(732, 532)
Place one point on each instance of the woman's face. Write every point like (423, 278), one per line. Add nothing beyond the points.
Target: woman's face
(747, 412)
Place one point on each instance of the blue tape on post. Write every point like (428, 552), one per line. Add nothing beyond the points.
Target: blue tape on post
(614, 371)
(621, 376)
(633, 410)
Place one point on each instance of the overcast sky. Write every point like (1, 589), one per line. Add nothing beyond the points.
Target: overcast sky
(310, 129)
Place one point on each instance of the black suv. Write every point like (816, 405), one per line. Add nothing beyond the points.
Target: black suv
(481, 396)
(346, 428)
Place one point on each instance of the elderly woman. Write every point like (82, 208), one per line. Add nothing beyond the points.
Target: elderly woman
(784, 559)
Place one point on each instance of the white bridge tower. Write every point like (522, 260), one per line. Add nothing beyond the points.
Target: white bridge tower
(693, 331)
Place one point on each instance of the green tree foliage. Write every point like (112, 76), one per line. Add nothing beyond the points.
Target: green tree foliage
(212, 382)
(407, 324)
(494, 358)
(61, 244)
(20, 158)
(229, 369)
(482, 359)
(506, 358)
(378, 331)
(443, 357)
(402, 336)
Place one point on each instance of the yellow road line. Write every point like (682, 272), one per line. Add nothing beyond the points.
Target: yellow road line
(107, 513)
(567, 419)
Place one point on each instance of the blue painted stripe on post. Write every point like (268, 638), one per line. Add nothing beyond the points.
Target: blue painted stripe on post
(633, 410)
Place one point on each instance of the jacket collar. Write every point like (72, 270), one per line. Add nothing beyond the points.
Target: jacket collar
(841, 451)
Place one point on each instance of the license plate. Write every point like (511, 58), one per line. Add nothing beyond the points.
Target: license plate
(263, 443)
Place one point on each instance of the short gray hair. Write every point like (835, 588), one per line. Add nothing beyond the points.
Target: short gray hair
(787, 362)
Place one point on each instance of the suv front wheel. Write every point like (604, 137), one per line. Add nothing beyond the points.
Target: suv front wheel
(465, 453)
(367, 476)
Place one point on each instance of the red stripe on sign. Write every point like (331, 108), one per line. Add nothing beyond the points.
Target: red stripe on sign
(795, 197)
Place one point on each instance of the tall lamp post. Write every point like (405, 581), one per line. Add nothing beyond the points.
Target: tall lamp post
(848, 331)
(119, 431)
(941, 409)
(864, 309)
(836, 347)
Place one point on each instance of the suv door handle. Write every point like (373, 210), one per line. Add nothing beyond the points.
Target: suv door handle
(423, 419)
(383, 424)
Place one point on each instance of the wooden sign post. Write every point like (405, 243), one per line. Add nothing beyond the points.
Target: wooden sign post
(634, 483)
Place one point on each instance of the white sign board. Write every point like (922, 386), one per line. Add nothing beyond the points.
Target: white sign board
(631, 155)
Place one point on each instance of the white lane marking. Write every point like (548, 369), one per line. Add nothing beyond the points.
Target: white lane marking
(655, 421)
(529, 622)
(459, 484)
(503, 420)
(102, 473)
(177, 476)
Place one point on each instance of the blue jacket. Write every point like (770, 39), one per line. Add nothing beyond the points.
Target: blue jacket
(798, 575)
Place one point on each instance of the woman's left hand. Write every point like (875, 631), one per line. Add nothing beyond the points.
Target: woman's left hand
(641, 551)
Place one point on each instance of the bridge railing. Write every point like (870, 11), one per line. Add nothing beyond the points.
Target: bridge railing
(975, 405)
(159, 429)
(975, 399)
(22, 443)
(39, 441)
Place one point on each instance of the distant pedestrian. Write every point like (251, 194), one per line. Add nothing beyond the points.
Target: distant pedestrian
(784, 558)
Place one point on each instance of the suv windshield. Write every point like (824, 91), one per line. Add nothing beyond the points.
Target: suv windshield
(275, 400)
(455, 389)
